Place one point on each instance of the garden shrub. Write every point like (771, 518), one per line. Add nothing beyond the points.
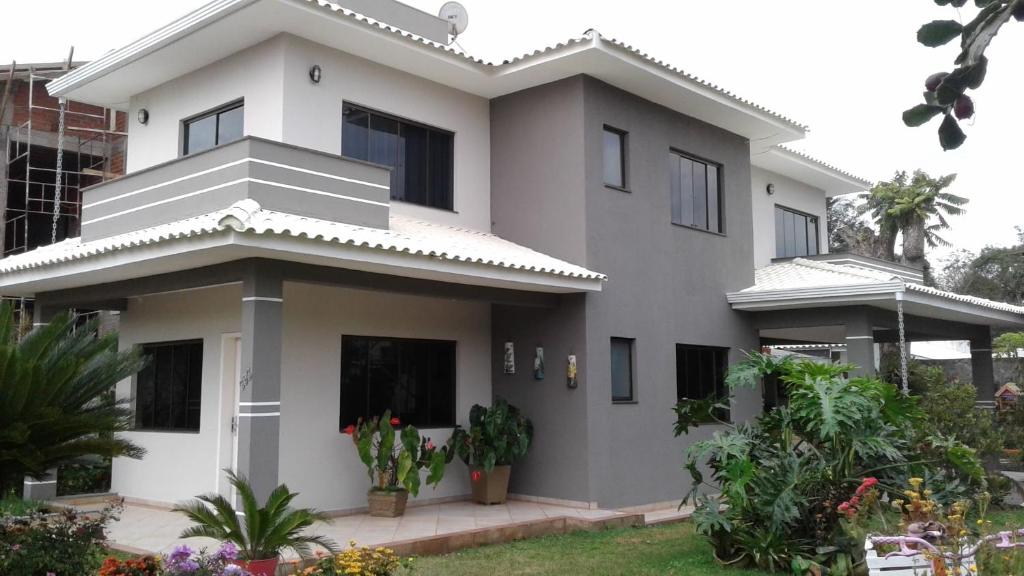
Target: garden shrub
(64, 543)
(782, 477)
(359, 561)
(83, 478)
(950, 410)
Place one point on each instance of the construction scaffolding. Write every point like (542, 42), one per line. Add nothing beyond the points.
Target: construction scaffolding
(48, 156)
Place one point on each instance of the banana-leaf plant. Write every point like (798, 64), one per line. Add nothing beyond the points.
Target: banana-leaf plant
(497, 436)
(394, 459)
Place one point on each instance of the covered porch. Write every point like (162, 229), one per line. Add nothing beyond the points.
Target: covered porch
(853, 310)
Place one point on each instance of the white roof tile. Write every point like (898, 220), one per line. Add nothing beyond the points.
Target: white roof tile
(406, 235)
(801, 274)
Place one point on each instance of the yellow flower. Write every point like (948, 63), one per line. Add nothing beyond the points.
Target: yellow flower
(916, 482)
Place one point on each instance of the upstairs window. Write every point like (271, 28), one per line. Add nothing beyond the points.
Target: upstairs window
(214, 128)
(168, 389)
(614, 158)
(700, 374)
(421, 158)
(414, 379)
(696, 192)
(796, 233)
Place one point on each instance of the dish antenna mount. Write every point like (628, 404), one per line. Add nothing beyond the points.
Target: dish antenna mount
(456, 16)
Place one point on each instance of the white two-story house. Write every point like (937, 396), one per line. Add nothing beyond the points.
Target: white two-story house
(329, 214)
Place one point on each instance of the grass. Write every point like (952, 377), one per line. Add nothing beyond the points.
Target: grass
(12, 505)
(670, 550)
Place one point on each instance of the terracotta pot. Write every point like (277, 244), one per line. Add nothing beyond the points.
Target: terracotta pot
(266, 567)
(387, 503)
(489, 487)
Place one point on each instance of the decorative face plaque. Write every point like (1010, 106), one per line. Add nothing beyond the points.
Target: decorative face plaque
(510, 358)
(538, 364)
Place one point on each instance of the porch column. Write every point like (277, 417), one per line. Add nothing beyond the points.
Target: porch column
(259, 402)
(982, 371)
(44, 487)
(860, 346)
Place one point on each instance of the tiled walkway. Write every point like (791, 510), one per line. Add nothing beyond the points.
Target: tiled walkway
(428, 529)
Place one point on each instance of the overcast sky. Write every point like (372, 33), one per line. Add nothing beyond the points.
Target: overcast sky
(846, 69)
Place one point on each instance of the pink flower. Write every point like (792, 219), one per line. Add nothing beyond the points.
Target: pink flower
(430, 444)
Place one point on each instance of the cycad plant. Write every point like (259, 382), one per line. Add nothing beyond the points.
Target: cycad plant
(57, 400)
(265, 530)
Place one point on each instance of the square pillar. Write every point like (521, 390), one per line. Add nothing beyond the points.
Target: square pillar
(860, 346)
(259, 402)
(42, 488)
(982, 369)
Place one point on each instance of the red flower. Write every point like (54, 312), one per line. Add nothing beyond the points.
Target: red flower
(350, 429)
(475, 476)
(844, 507)
(855, 501)
(395, 422)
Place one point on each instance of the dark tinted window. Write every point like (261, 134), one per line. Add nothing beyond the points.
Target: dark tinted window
(796, 233)
(696, 193)
(421, 158)
(622, 369)
(414, 379)
(700, 373)
(218, 127)
(168, 389)
(614, 157)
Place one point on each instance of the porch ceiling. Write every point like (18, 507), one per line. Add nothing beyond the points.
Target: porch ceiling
(408, 248)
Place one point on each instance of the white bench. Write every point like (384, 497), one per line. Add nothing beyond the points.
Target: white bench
(906, 563)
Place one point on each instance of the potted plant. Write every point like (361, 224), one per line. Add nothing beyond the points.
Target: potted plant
(262, 533)
(497, 437)
(394, 466)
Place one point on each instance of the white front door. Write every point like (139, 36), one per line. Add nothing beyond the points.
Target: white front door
(227, 454)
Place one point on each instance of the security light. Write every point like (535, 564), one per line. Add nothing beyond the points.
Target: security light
(314, 73)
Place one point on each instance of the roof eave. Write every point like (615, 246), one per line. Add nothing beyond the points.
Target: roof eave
(803, 168)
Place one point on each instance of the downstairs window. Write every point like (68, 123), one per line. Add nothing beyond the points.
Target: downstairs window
(168, 390)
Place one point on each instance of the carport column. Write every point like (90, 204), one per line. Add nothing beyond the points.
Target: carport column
(44, 487)
(860, 345)
(982, 372)
(259, 402)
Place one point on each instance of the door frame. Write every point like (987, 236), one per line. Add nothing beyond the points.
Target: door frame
(227, 414)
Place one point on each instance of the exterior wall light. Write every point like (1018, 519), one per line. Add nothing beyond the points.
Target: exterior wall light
(314, 73)
(143, 116)
(770, 189)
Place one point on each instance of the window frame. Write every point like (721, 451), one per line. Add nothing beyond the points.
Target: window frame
(623, 158)
(720, 392)
(808, 216)
(136, 427)
(720, 170)
(371, 338)
(371, 112)
(215, 112)
(632, 398)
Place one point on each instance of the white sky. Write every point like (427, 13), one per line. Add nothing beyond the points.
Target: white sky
(846, 69)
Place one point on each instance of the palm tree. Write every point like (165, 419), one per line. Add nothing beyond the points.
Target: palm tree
(57, 400)
(916, 207)
(265, 531)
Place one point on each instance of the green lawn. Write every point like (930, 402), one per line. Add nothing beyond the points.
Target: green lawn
(671, 550)
(668, 550)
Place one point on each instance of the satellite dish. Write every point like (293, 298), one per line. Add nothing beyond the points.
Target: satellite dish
(456, 16)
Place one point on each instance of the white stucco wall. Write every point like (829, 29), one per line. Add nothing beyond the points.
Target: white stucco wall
(317, 460)
(255, 75)
(179, 465)
(789, 193)
(282, 104)
(313, 112)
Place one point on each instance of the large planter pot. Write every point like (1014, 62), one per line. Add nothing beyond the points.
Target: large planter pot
(266, 567)
(489, 487)
(387, 503)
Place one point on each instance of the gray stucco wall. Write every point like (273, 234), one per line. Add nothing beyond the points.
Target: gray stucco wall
(666, 286)
(667, 283)
(557, 464)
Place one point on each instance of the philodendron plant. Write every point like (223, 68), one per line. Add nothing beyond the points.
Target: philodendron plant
(394, 460)
(497, 436)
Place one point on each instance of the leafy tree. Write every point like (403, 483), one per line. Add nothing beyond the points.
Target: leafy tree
(57, 398)
(847, 230)
(997, 273)
(916, 207)
(945, 92)
(1009, 345)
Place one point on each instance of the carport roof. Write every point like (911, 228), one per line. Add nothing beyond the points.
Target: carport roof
(802, 283)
